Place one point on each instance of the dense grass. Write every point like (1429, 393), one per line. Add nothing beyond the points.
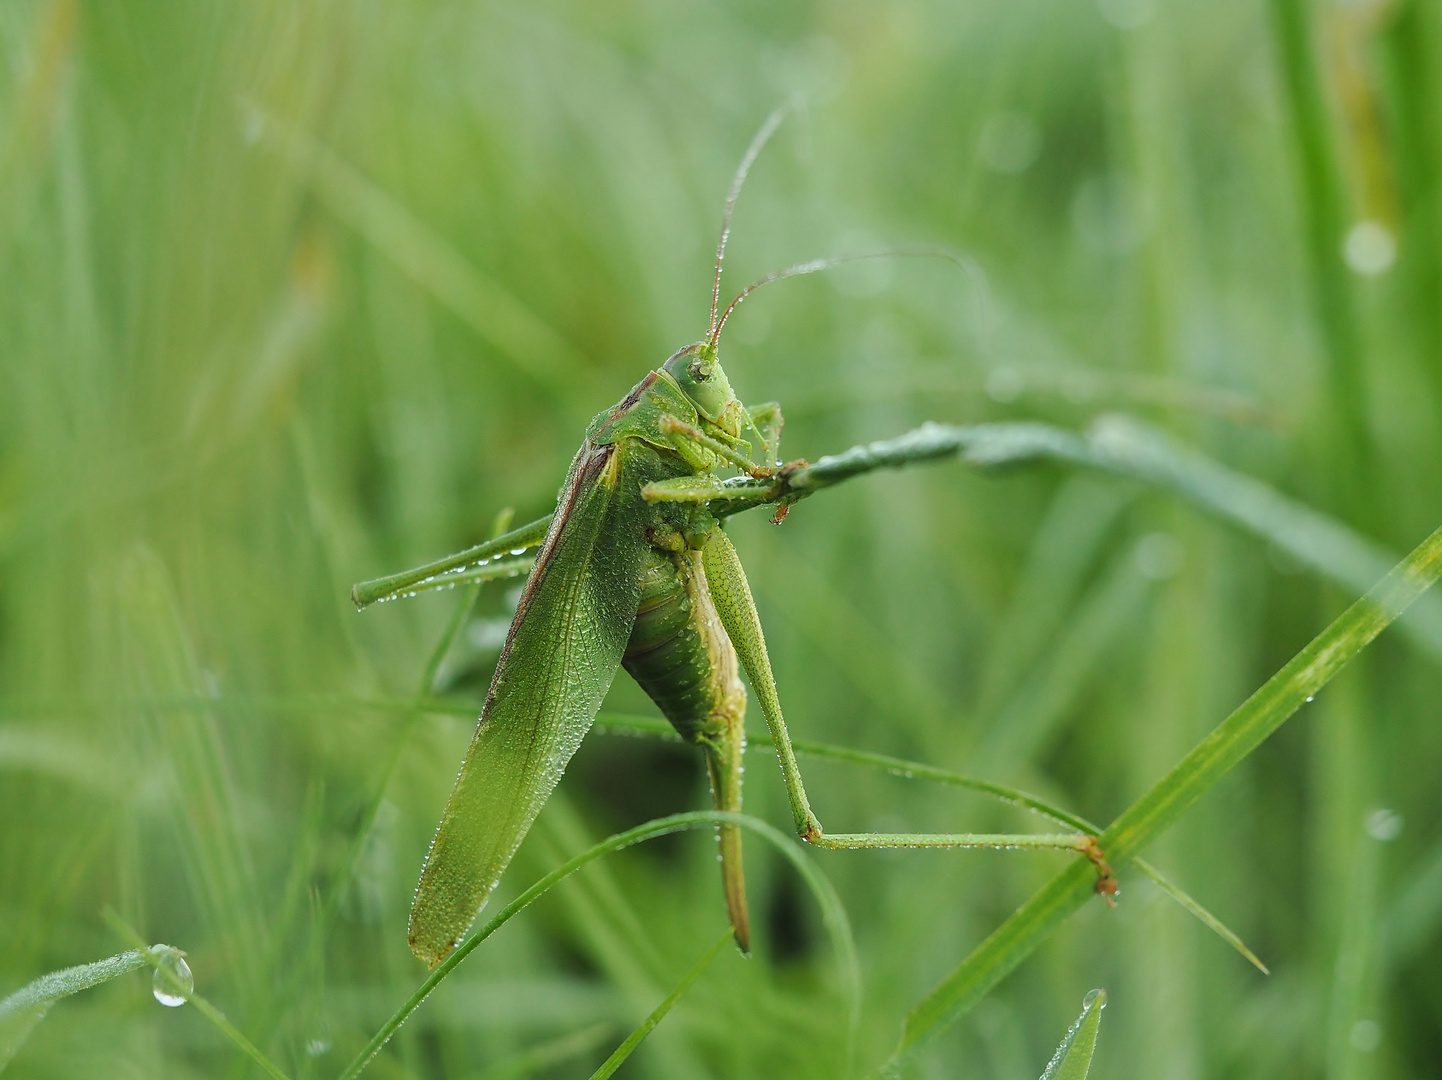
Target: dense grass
(301, 293)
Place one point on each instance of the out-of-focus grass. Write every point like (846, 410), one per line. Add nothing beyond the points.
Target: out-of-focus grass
(297, 294)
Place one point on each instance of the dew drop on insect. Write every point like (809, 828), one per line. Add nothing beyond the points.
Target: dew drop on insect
(172, 982)
(518, 551)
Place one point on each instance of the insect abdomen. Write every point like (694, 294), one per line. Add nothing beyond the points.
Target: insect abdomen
(680, 655)
(678, 652)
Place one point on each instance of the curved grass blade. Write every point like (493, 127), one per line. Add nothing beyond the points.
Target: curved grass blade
(622, 1052)
(26, 1007)
(1073, 1058)
(833, 915)
(1196, 774)
(619, 723)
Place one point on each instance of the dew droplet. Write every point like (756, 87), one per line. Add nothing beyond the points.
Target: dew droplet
(1383, 825)
(1311, 698)
(1090, 999)
(173, 981)
(1369, 249)
(1366, 1036)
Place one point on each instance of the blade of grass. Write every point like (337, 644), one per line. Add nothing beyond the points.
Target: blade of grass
(648, 727)
(26, 1007)
(1324, 206)
(1073, 1058)
(153, 955)
(1147, 818)
(622, 1052)
(550, 1053)
(500, 318)
(1205, 917)
(832, 913)
(1127, 447)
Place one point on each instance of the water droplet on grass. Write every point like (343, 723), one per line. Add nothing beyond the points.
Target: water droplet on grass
(1369, 249)
(1005, 384)
(1090, 999)
(1366, 1036)
(173, 981)
(1384, 825)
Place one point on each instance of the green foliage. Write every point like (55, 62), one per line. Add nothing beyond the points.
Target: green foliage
(302, 293)
(1073, 1057)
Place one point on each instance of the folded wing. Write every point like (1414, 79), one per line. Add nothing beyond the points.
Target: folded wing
(565, 643)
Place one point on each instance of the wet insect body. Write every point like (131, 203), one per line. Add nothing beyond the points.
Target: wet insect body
(633, 569)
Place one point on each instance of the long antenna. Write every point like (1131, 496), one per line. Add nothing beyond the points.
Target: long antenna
(757, 143)
(966, 262)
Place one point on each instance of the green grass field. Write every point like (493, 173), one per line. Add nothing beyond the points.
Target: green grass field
(296, 294)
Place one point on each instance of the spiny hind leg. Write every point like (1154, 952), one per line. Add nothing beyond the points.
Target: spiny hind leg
(731, 594)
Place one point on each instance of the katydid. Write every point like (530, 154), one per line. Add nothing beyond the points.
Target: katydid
(634, 570)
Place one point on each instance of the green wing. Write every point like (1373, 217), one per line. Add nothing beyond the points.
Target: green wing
(565, 644)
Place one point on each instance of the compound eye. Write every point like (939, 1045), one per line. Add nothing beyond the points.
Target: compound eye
(699, 369)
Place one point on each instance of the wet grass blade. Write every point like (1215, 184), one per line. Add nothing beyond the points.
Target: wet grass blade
(832, 913)
(622, 1052)
(1073, 1058)
(153, 955)
(22, 1010)
(1124, 446)
(1205, 917)
(1196, 774)
(647, 727)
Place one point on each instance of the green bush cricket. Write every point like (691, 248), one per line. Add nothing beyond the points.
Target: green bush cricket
(634, 570)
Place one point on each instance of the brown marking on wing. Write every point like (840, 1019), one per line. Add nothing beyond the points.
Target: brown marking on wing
(593, 462)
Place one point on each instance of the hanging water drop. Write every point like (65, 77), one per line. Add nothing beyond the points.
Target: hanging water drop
(173, 981)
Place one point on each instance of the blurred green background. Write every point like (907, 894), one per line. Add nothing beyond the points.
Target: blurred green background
(299, 293)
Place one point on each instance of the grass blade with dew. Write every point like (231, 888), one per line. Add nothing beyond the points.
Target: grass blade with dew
(1073, 1058)
(648, 727)
(622, 1052)
(158, 957)
(26, 1007)
(1152, 814)
(1124, 446)
(832, 913)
